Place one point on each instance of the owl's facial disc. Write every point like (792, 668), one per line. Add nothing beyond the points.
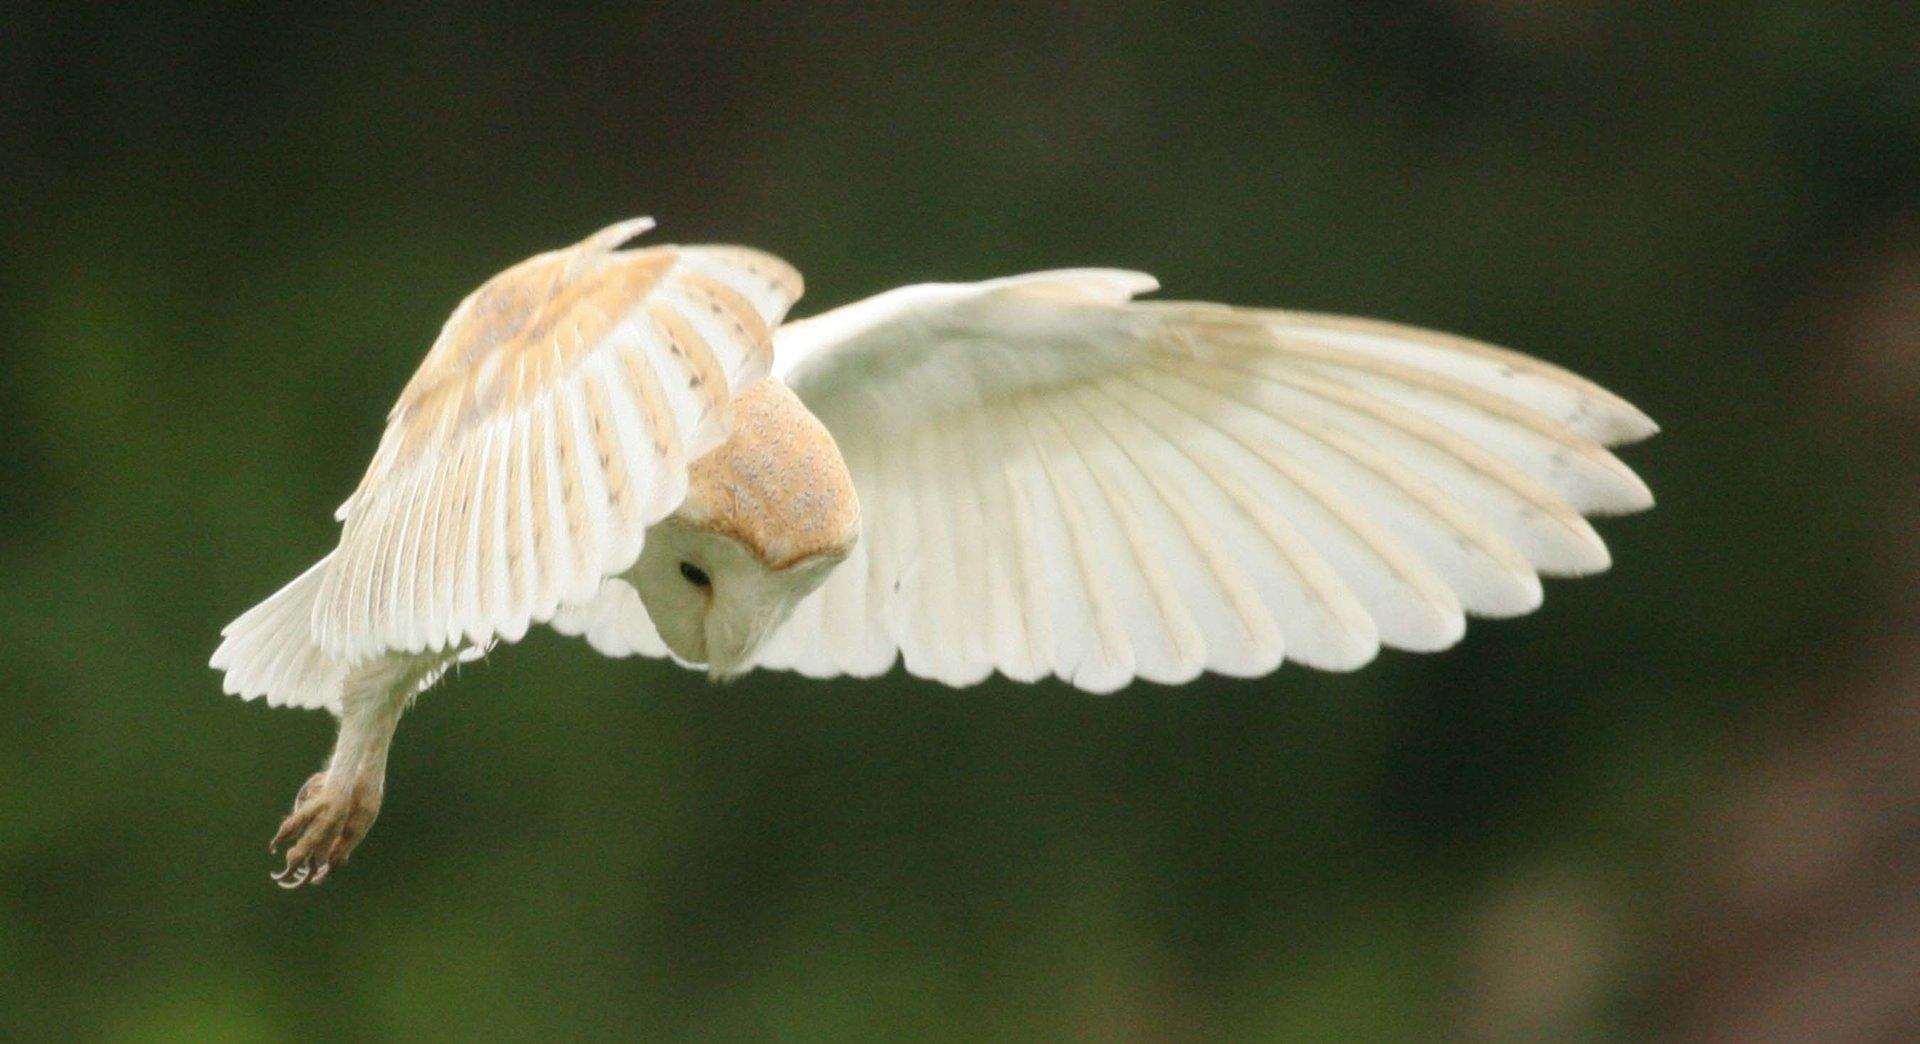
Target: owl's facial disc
(712, 600)
(748, 606)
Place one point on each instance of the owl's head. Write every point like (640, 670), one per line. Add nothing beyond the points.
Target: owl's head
(767, 516)
(713, 600)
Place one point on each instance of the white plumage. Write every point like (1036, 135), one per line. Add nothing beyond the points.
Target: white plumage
(1152, 489)
(1045, 477)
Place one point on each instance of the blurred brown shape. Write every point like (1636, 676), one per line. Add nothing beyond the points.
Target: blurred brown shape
(1801, 920)
(1540, 958)
(1538, 26)
(1870, 321)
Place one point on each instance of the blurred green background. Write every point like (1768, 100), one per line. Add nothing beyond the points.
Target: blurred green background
(1679, 802)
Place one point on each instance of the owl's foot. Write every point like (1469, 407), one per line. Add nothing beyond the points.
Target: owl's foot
(329, 817)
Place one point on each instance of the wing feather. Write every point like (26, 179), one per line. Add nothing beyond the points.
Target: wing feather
(462, 550)
(1321, 623)
(1100, 658)
(1055, 611)
(1058, 480)
(1411, 606)
(573, 497)
(1545, 389)
(934, 650)
(400, 555)
(1029, 558)
(490, 563)
(1238, 635)
(417, 611)
(1551, 533)
(1009, 616)
(851, 635)
(614, 622)
(513, 587)
(551, 423)
(548, 548)
(268, 651)
(1586, 476)
(1169, 645)
(975, 560)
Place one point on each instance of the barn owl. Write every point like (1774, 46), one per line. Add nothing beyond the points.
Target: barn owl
(1040, 476)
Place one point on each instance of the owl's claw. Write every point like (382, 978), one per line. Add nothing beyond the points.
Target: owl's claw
(328, 820)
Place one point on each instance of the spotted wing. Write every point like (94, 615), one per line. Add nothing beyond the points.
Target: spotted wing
(550, 424)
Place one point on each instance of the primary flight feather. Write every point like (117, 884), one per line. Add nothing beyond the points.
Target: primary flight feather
(1039, 475)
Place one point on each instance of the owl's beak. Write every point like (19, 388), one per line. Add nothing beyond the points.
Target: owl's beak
(730, 652)
(723, 669)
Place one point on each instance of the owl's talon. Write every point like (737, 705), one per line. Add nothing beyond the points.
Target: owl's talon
(328, 819)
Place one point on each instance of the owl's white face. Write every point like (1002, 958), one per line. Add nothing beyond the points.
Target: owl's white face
(712, 601)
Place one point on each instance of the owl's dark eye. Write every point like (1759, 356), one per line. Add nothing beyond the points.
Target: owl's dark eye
(695, 575)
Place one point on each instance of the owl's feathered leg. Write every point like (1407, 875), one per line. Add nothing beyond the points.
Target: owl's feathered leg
(337, 806)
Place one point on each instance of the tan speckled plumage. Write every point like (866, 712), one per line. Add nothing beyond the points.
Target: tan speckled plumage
(778, 485)
(550, 424)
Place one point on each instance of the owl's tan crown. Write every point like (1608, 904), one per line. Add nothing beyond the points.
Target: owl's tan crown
(778, 485)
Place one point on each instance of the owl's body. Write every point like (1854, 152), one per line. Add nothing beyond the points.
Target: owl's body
(1036, 476)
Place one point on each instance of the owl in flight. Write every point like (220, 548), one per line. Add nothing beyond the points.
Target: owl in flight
(1038, 475)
